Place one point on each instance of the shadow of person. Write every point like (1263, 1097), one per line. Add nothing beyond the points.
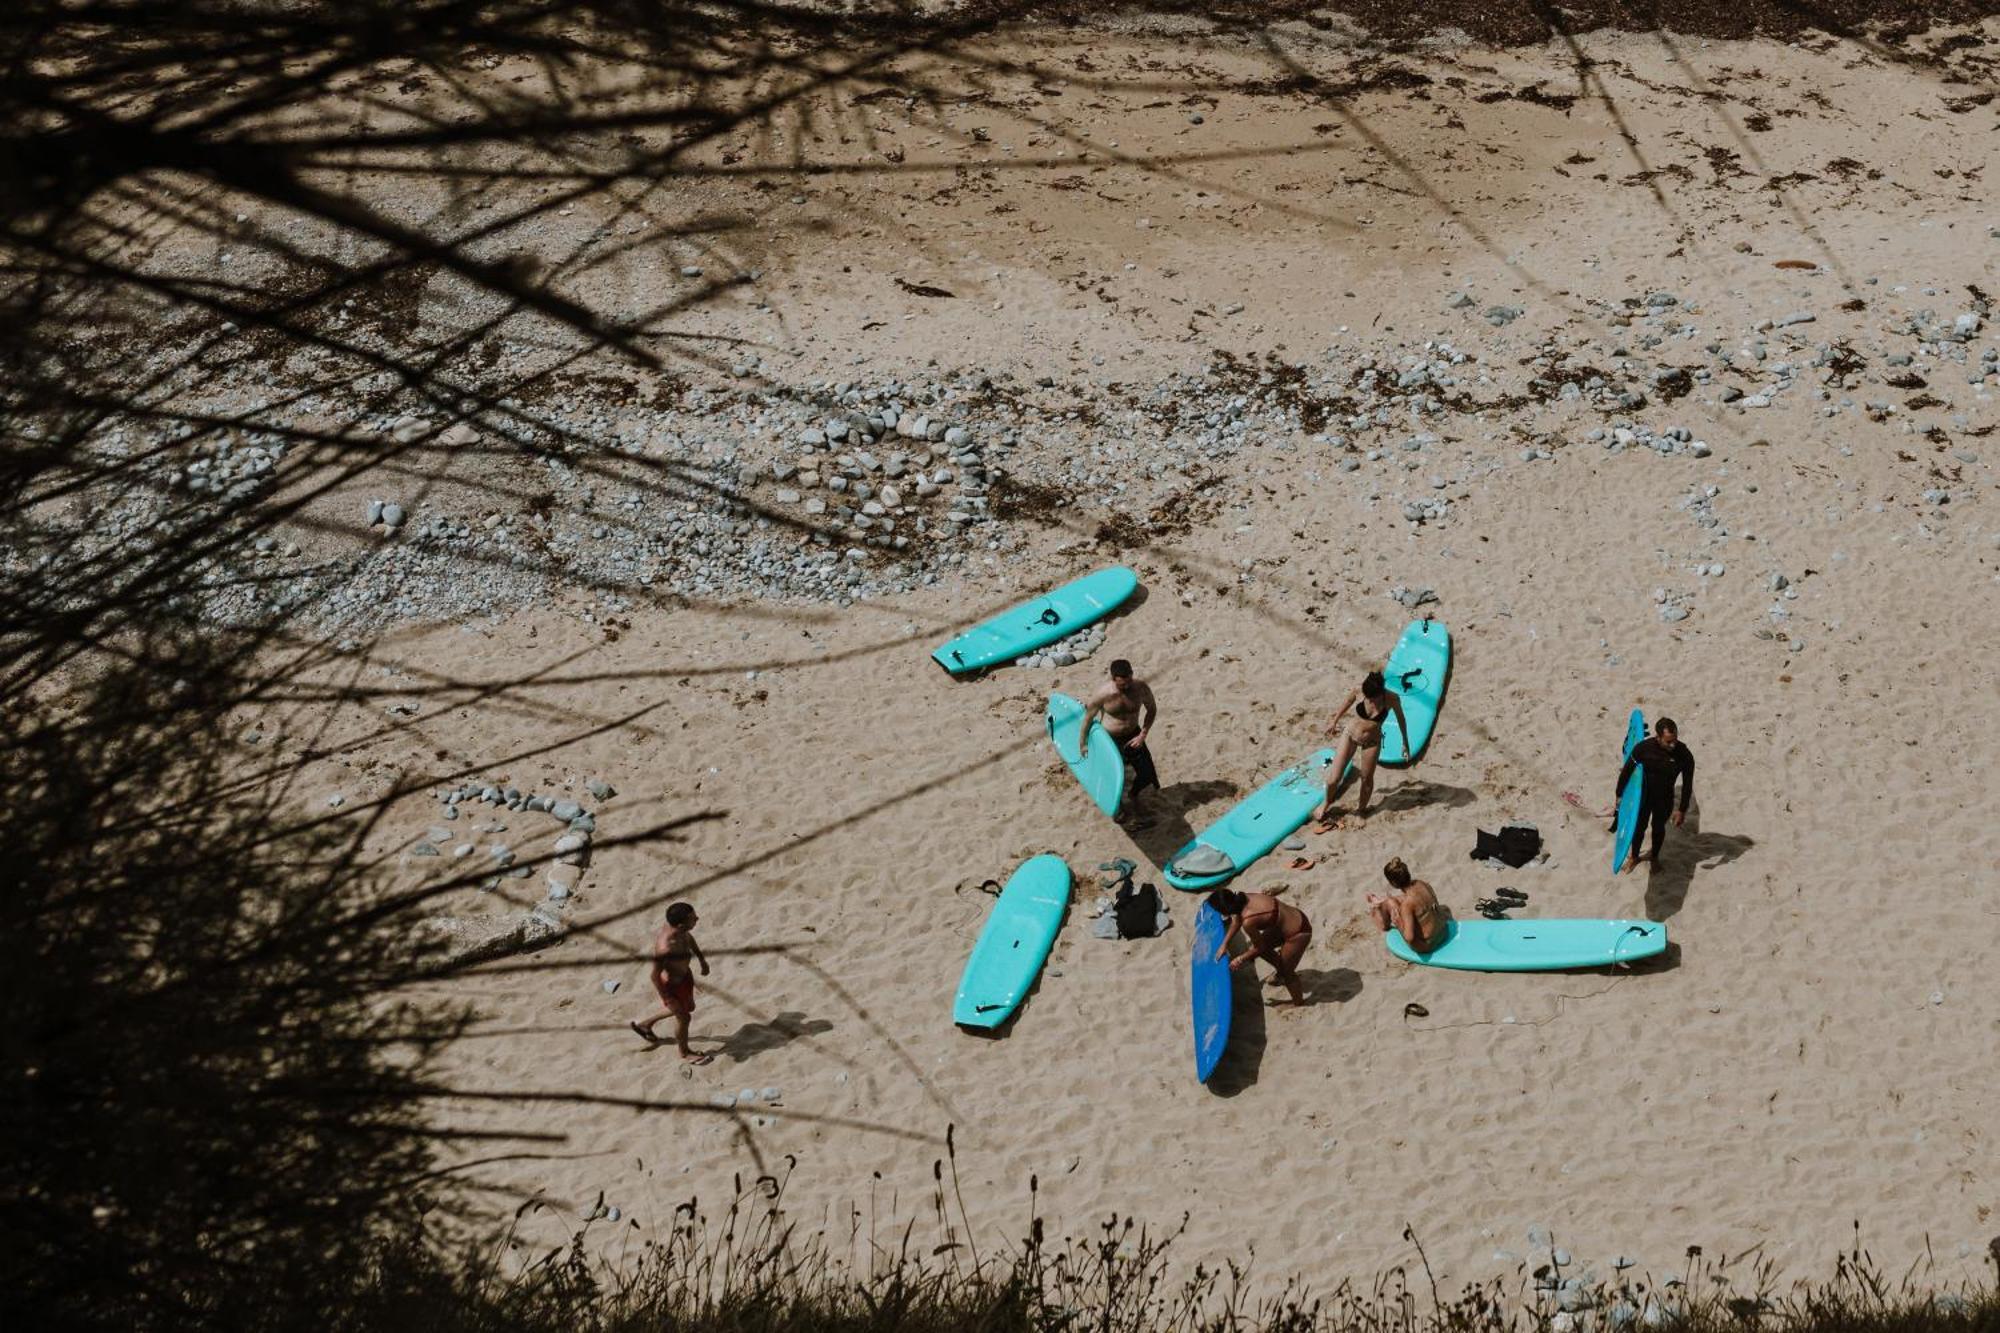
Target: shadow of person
(1165, 827)
(782, 1030)
(1243, 1058)
(1335, 985)
(1418, 792)
(1688, 849)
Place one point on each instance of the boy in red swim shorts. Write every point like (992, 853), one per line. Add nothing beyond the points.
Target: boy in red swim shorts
(673, 978)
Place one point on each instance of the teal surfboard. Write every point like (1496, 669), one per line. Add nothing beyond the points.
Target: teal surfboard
(1033, 624)
(1262, 820)
(1536, 946)
(1628, 800)
(1418, 669)
(1014, 944)
(1102, 770)
(1210, 989)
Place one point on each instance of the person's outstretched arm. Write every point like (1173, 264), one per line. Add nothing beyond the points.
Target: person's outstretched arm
(1625, 773)
(1334, 725)
(1230, 925)
(1090, 712)
(1687, 784)
(1402, 724)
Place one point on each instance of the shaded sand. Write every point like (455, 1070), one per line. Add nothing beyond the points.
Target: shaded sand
(1817, 1047)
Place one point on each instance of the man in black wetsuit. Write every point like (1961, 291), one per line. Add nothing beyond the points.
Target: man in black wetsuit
(1662, 758)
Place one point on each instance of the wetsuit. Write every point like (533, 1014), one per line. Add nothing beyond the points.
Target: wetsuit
(1659, 766)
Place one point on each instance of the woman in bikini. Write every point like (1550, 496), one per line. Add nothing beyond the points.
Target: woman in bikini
(1373, 703)
(1276, 932)
(1412, 909)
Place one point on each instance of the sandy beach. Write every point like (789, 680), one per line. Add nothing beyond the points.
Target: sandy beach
(1184, 271)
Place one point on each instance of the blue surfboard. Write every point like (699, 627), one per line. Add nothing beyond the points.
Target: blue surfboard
(1536, 946)
(1102, 770)
(1628, 800)
(1262, 820)
(1209, 985)
(1034, 624)
(1014, 943)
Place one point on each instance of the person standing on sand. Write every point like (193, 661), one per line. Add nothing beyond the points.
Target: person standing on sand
(1127, 707)
(1373, 704)
(673, 978)
(1662, 758)
(1276, 932)
(1412, 909)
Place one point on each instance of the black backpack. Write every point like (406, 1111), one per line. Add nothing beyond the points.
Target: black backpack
(1137, 912)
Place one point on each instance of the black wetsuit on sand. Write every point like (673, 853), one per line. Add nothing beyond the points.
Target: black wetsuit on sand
(1659, 765)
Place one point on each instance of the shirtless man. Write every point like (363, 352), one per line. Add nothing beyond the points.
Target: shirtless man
(674, 979)
(1276, 932)
(1127, 708)
(1412, 908)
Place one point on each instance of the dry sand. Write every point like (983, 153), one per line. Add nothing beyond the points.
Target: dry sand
(1818, 1048)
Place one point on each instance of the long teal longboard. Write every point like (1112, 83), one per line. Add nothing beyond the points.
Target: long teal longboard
(1262, 820)
(1418, 669)
(1536, 946)
(1102, 770)
(1033, 624)
(1628, 800)
(1210, 988)
(1014, 944)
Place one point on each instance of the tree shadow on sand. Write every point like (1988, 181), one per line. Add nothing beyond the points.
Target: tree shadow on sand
(780, 1031)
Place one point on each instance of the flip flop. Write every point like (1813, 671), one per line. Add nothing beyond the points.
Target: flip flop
(643, 1035)
(1303, 863)
(1492, 909)
(1511, 895)
(1122, 865)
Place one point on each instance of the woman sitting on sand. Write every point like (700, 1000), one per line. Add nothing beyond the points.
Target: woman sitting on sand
(1373, 703)
(1413, 909)
(1276, 932)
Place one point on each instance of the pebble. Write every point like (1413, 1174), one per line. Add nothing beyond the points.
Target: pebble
(392, 516)
(1673, 613)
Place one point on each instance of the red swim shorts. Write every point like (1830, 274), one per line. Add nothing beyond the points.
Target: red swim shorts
(679, 996)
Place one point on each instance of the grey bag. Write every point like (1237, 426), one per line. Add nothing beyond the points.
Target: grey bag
(1202, 859)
